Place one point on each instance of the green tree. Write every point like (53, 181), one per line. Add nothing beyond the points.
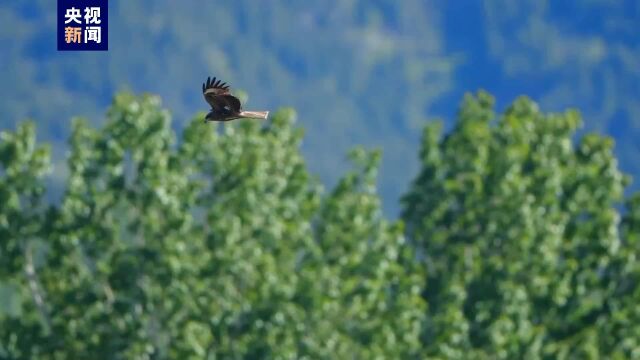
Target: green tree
(622, 325)
(376, 311)
(23, 166)
(519, 231)
(220, 245)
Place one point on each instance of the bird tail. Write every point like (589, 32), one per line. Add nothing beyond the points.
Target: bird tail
(254, 114)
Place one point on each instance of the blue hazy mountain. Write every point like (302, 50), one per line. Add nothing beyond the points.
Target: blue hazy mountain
(357, 72)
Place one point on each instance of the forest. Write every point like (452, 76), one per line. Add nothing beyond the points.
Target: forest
(515, 241)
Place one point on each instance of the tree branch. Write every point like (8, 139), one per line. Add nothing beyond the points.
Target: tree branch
(36, 292)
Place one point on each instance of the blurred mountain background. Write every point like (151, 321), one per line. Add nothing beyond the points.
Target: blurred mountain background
(358, 72)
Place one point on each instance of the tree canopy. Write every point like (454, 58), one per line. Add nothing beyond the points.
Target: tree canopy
(520, 234)
(219, 243)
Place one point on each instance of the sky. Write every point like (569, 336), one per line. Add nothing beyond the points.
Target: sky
(369, 73)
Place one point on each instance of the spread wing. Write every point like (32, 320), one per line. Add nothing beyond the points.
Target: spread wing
(217, 94)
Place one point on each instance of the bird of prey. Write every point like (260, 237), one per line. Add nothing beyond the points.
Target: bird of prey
(224, 106)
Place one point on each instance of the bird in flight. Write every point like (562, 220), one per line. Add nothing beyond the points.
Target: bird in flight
(224, 106)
